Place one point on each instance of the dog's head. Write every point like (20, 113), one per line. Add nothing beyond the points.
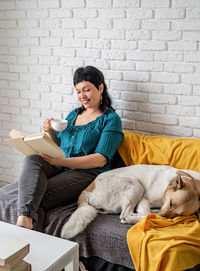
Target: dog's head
(181, 197)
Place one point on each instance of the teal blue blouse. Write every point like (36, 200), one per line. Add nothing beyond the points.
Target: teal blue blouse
(102, 135)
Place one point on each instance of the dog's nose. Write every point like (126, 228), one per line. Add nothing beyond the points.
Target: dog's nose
(164, 213)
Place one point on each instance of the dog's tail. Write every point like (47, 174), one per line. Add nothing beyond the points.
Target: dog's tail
(78, 221)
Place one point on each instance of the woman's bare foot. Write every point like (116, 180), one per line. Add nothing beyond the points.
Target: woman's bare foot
(25, 221)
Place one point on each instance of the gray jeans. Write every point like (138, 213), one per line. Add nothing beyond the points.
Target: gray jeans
(42, 185)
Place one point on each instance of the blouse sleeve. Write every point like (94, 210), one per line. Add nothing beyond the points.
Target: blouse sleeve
(111, 137)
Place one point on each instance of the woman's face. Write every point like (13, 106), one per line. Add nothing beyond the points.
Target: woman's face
(88, 95)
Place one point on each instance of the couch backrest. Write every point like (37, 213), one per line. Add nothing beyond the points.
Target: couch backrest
(182, 153)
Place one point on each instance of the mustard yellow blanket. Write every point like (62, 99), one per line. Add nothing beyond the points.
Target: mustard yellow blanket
(182, 153)
(160, 244)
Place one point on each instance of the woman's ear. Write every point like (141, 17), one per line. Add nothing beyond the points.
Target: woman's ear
(101, 88)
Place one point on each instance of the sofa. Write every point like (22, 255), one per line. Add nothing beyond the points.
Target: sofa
(103, 244)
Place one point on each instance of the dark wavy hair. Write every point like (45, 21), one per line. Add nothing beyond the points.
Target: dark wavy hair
(96, 77)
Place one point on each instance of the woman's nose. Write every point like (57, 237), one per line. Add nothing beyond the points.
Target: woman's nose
(82, 95)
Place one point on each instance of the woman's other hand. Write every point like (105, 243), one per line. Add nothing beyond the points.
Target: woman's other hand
(93, 160)
(47, 125)
(51, 160)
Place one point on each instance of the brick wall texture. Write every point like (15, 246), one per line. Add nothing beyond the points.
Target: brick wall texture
(148, 50)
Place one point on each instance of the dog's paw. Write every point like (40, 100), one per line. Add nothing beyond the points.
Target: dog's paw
(132, 219)
(123, 220)
(126, 220)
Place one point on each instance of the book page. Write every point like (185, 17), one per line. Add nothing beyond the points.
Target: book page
(15, 134)
(34, 136)
(43, 144)
(21, 146)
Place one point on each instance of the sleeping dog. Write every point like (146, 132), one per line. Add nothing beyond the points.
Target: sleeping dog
(132, 191)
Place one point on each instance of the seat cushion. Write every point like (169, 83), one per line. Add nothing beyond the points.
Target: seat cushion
(105, 237)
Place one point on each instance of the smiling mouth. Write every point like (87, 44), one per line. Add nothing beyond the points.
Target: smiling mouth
(86, 101)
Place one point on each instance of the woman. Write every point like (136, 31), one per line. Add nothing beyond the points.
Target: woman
(90, 140)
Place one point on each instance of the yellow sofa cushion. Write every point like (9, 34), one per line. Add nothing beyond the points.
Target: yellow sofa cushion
(182, 153)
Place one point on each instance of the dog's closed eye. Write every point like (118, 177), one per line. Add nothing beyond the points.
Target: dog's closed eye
(170, 203)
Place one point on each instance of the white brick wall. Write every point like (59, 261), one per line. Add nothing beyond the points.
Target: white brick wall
(149, 51)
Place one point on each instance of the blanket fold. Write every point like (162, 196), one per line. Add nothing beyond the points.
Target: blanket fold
(160, 244)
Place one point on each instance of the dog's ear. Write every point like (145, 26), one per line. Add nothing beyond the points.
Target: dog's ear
(196, 181)
(178, 184)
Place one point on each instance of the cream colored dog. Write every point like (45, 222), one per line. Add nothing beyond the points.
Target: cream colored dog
(139, 188)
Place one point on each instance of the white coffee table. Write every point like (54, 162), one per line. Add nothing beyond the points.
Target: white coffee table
(46, 252)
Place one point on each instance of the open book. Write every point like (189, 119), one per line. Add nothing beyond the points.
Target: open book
(34, 144)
